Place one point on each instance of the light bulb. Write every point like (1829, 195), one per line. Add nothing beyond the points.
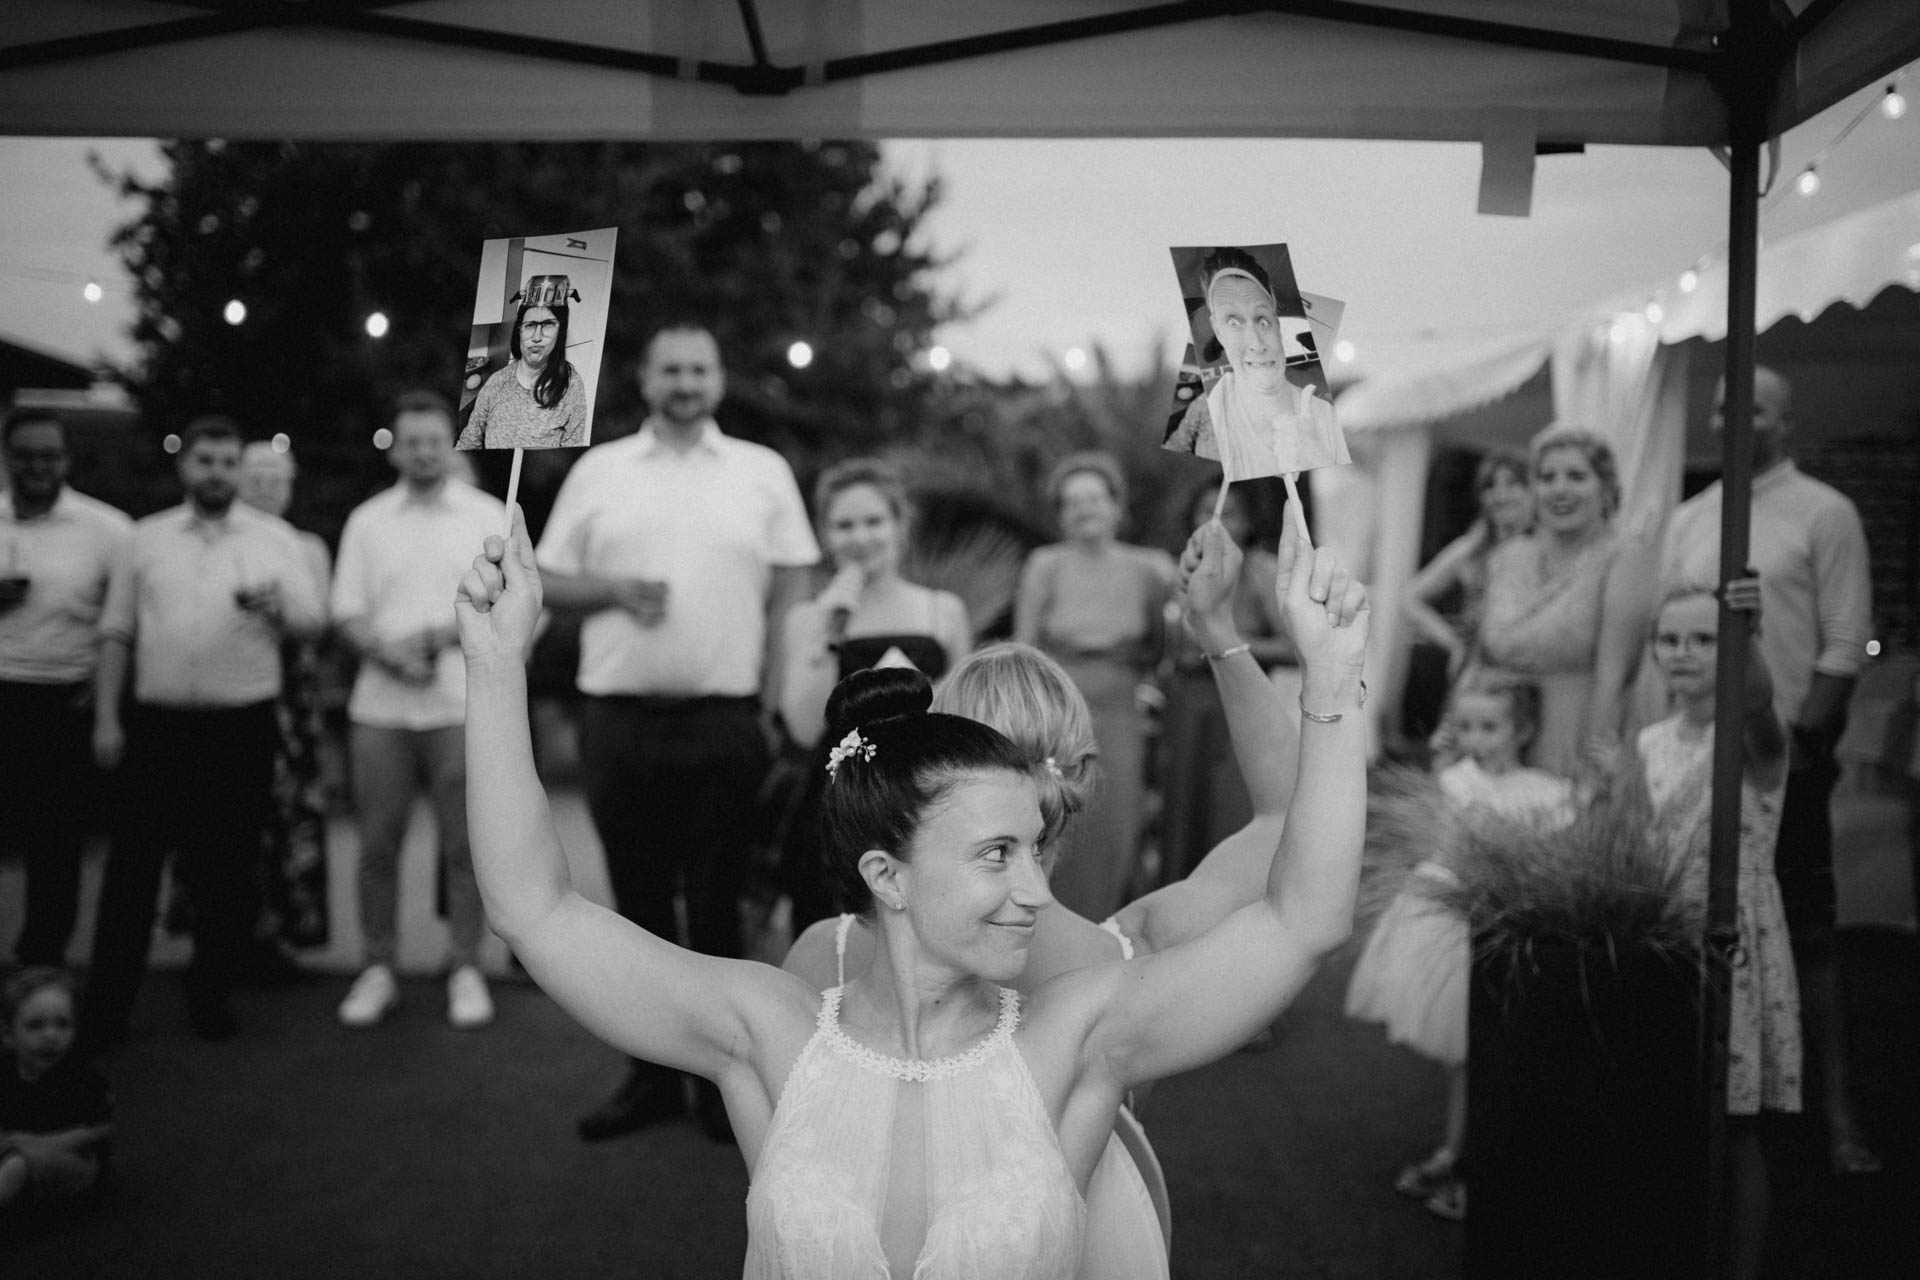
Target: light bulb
(1343, 351)
(1075, 359)
(1689, 280)
(377, 325)
(93, 292)
(235, 312)
(939, 359)
(1655, 313)
(1893, 105)
(800, 355)
(281, 442)
(1807, 183)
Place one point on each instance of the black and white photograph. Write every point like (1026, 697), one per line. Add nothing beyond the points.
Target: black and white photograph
(533, 361)
(1069, 642)
(1254, 394)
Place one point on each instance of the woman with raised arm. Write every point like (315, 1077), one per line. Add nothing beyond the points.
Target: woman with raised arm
(923, 1119)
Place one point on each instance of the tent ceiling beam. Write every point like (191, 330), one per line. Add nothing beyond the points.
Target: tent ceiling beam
(763, 77)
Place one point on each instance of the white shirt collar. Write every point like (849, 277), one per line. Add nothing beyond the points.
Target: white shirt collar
(709, 438)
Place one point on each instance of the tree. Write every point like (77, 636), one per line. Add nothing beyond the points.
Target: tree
(769, 242)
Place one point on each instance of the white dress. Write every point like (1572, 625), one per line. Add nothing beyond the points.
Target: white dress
(963, 1144)
(1763, 1038)
(1413, 974)
(1123, 1238)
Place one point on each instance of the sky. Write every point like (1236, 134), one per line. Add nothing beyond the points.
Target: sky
(1065, 242)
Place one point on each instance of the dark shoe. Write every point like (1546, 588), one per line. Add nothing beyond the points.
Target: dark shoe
(213, 1020)
(629, 1111)
(711, 1110)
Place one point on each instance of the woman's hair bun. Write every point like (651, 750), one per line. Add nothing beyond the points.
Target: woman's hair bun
(877, 694)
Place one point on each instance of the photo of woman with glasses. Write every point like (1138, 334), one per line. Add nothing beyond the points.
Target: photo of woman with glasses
(537, 400)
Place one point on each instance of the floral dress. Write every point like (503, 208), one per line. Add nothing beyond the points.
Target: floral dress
(1763, 1068)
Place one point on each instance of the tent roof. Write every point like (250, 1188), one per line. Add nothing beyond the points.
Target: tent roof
(1850, 259)
(1616, 71)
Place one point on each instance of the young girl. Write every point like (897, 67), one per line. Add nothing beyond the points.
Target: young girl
(53, 1113)
(1676, 754)
(1413, 974)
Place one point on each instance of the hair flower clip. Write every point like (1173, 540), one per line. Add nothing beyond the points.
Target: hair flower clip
(851, 746)
(1053, 767)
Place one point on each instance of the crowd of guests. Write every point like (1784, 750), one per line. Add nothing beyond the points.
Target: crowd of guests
(1556, 610)
(176, 657)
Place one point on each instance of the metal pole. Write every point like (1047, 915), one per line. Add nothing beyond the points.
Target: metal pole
(1753, 50)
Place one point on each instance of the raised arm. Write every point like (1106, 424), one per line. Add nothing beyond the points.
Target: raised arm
(1766, 739)
(638, 992)
(1192, 1004)
(1266, 743)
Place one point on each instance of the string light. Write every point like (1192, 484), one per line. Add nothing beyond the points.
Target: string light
(93, 292)
(1892, 104)
(383, 439)
(235, 312)
(1808, 183)
(377, 325)
(172, 443)
(1343, 351)
(1655, 313)
(800, 355)
(281, 442)
(1689, 280)
(939, 359)
(1075, 359)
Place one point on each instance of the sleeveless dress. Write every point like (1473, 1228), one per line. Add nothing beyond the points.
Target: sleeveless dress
(1763, 1039)
(1548, 629)
(803, 875)
(1124, 1237)
(967, 1137)
(1413, 974)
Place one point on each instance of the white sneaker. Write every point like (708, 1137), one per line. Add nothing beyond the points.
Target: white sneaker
(373, 995)
(468, 1004)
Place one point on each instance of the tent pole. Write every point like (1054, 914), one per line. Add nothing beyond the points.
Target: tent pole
(1753, 49)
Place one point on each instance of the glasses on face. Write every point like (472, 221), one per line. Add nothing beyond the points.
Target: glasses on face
(1685, 642)
(537, 328)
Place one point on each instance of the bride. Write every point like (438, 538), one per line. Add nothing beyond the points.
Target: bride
(924, 1119)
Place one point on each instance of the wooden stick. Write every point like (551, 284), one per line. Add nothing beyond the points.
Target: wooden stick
(513, 487)
(1299, 511)
(1220, 499)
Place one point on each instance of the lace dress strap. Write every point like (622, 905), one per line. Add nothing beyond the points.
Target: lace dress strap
(1112, 925)
(841, 928)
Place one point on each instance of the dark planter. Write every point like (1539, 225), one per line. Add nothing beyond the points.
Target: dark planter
(1586, 1110)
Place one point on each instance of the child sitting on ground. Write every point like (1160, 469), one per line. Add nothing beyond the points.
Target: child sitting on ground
(54, 1113)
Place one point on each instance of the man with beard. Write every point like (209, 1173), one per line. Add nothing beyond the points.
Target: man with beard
(682, 546)
(58, 550)
(199, 610)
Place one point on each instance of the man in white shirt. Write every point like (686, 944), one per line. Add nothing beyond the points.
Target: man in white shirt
(683, 546)
(58, 550)
(1816, 616)
(401, 557)
(197, 615)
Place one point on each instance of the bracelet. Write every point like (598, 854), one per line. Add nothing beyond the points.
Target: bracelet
(1337, 716)
(1229, 652)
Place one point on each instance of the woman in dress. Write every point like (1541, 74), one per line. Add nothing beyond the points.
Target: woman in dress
(537, 401)
(867, 615)
(1027, 696)
(1205, 795)
(1099, 606)
(1565, 604)
(922, 1119)
(1502, 483)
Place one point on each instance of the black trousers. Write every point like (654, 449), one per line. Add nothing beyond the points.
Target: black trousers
(48, 787)
(670, 784)
(197, 784)
(1803, 857)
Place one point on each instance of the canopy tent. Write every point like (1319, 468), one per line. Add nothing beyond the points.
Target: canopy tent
(1642, 383)
(1516, 75)
(1568, 71)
